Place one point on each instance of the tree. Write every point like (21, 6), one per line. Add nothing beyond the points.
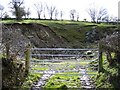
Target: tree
(2, 13)
(27, 13)
(102, 13)
(114, 19)
(97, 14)
(61, 15)
(92, 13)
(77, 16)
(17, 9)
(51, 10)
(39, 9)
(6, 16)
(106, 19)
(44, 14)
(109, 19)
(72, 14)
(56, 14)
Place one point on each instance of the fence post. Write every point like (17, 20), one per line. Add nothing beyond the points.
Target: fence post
(27, 59)
(100, 66)
(7, 51)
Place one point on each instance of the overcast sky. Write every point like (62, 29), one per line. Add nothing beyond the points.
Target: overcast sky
(80, 6)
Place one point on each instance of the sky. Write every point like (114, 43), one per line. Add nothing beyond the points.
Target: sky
(81, 6)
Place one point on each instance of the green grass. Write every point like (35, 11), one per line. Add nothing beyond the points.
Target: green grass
(32, 77)
(92, 72)
(58, 66)
(58, 80)
(40, 68)
(57, 22)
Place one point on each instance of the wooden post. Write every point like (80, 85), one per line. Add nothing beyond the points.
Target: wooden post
(27, 59)
(8, 51)
(100, 66)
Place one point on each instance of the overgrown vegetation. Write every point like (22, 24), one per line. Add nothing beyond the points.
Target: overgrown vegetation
(110, 57)
(109, 78)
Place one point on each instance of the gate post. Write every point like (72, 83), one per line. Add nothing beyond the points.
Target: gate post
(100, 66)
(27, 59)
(7, 51)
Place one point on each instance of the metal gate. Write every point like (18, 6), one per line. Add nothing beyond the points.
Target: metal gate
(61, 60)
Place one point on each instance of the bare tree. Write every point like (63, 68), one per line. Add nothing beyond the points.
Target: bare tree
(77, 16)
(61, 15)
(6, 16)
(2, 13)
(72, 14)
(101, 14)
(97, 14)
(44, 14)
(27, 13)
(39, 9)
(106, 19)
(114, 19)
(51, 10)
(17, 9)
(92, 13)
(56, 14)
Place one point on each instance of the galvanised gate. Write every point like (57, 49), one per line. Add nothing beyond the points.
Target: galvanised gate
(61, 60)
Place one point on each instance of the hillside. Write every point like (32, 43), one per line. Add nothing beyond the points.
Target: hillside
(45, 33)
(37, 34)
